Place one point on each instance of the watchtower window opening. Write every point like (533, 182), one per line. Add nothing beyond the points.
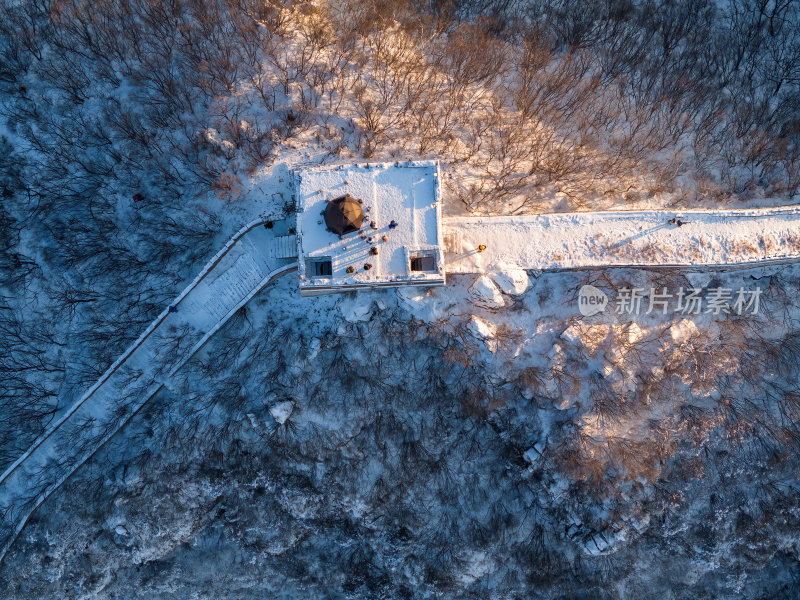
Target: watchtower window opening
(424, 262)
(320, 267)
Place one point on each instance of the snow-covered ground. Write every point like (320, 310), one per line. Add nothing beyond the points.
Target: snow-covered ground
(300, 425)
(626, 238)
(513, 245)
(478, 440)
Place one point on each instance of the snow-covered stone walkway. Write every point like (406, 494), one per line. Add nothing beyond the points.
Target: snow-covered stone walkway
(623, 238)
(229, 280)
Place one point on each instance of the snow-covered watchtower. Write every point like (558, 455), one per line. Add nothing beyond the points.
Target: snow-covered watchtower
(368, 225)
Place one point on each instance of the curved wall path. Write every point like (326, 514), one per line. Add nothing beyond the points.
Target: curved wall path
(236, 273)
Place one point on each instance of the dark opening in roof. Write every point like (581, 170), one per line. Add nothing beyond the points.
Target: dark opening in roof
(423, 263)
(320, 267)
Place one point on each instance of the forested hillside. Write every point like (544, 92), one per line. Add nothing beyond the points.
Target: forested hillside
(137, 135)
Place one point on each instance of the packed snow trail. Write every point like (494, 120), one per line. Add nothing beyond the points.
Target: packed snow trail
(235, 274)
(622, 238)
